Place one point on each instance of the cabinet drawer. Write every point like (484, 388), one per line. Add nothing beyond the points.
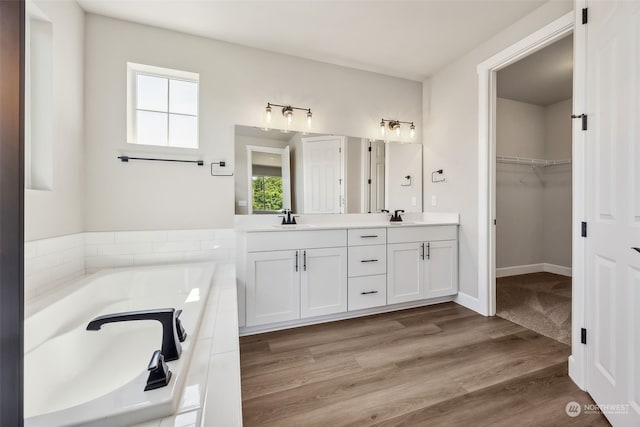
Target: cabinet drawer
(293, 239)
(423, 234)
(367, 292)
(367, 260)
(367, 236)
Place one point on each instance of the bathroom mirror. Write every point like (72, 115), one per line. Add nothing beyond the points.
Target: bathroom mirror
(318, 173)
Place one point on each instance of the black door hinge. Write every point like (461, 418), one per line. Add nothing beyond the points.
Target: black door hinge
(369, 148)
(583, 229)
(584, 119)
(368, 181)
(495, 222)
(583, 336)
(585, 16)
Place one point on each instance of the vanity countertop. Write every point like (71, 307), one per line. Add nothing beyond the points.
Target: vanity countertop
(334, 222)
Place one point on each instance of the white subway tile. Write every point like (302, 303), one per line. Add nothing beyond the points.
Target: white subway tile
(180, 235)
(158, 258)
(187, 245)
(30, 250)
(91, 250)
(225, 233)
(108, 261)
(99, 237)
(43, 263)
(210, 255)
(124, 248)
(140, 236)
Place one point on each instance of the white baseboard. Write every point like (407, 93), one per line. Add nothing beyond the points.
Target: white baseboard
(533, 268)
(469, 302)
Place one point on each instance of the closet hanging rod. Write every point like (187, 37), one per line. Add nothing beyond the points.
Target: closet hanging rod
(127, 158)
(531, 162)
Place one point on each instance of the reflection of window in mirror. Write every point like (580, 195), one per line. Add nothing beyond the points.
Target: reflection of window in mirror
(268, 179)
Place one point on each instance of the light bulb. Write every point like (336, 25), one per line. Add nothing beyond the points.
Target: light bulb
(267, 116)
(382, 127)
(309, 119)
(412, 131)
(288, 113)
(397, 127)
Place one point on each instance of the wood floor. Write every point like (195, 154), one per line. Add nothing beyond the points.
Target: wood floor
(441, 365)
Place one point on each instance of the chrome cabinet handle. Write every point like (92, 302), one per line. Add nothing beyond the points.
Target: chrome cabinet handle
(368, 292)
(296, 260)
(368, 236)
(422, 253)
(369, 260)
(304, 260)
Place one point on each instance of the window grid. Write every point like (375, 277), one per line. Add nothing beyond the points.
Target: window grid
(168, 111)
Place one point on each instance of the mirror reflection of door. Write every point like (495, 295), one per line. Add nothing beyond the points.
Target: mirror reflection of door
(269, 180)
(376, 176)
(323, 159)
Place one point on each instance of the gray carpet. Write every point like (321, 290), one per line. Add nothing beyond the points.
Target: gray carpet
(538, 301)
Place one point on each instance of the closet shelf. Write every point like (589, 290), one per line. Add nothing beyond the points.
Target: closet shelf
(531, 162)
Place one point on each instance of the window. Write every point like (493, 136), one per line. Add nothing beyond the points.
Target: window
(267, 193)
(162, 106)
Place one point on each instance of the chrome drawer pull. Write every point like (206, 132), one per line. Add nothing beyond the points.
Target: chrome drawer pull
(368, 292)
(369, 260)
(368, 236)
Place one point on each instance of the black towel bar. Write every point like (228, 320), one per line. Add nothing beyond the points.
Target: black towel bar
(127, 158)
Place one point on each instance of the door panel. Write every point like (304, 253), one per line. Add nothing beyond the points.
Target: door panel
(323, 174)
(613, 207)
(405, 272)
(324, 281)
(441, 269)
(273, 287)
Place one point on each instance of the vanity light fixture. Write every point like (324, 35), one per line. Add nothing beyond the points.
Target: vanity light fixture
(287, 112)
(394, 126)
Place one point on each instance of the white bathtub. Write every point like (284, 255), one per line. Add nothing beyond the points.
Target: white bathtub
(97, 378)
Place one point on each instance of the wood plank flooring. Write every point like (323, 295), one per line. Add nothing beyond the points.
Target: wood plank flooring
(441, 365)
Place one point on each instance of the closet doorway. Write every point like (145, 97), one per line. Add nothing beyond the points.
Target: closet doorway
(533, 191)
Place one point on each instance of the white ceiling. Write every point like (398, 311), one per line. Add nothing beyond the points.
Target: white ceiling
(408, 39)
(543, 78)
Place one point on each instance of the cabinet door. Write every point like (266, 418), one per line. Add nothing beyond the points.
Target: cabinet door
(441, 269)
(405, 272)
(273, 287)
(323, 287)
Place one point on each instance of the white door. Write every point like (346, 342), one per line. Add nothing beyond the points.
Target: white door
(405, 274)
(613, 208)
(273, 287)
(323, 167)
(377, 176)
(324, 281)
(441, 269)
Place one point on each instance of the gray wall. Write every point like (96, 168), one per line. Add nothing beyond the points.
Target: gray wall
(235, 84)
(533, 204)
(451, 134)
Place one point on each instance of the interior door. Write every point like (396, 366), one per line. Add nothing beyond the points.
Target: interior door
(613, 208)
(377, 176)
(323, 174)
(323, 288)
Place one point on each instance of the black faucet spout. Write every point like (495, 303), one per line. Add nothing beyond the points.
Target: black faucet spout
(172, 331)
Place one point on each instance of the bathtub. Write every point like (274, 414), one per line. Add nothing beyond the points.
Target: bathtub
(97, 378)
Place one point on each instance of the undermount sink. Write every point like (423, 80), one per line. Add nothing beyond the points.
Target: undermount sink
(402, 223)
(292, 226)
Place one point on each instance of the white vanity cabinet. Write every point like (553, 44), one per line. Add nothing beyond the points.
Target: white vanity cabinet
(295, 274)
(367, 268)
(422, 263)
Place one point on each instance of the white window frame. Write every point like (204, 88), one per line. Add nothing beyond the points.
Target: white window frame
(133, 70)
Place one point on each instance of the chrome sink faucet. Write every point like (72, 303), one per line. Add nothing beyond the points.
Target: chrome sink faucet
(172, 331)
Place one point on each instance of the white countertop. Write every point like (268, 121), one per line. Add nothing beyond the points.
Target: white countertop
(255, 223)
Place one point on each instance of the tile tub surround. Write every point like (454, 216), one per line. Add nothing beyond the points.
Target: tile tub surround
(50, 263)
(126, 248)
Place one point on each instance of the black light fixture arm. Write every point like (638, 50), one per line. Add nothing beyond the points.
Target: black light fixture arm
(271, 104)
(397, 121)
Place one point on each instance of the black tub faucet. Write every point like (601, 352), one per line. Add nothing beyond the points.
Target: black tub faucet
(396, 216)
(172, 331)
